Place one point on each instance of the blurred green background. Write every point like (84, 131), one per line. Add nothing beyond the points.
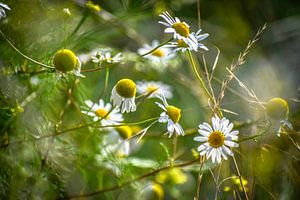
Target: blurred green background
(36, 27)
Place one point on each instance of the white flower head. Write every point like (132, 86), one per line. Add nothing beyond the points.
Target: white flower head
(102, 110)
(179, 29)
(154, 88)
(123, 95)
(180, 45)
(171, 116)
(3, 7)
(217, 139)
(99, 58)
(160, 56)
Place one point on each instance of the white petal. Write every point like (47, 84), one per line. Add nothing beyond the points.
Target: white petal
(231, 144)
(200, 139)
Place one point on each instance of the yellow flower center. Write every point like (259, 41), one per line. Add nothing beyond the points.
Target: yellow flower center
(126, 88)
(158, 192)
(277, 108)
(65, 60)
(102, 113)
(158, 53)
(174, 113)
(181, 28)
(182, 44)
(125, 132)
(151, 89)
(216, 139)
(93, 7)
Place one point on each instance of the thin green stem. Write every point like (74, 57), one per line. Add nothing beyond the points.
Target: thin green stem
(240, 177)
(162, 44)
(124, 184)
(65, 38)
(80, 23)
(198, 75)
(23, 55)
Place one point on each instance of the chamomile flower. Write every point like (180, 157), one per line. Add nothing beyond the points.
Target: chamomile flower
(3, 7)
(102, 110)
(159, 56)
(217, 139)
(123, 95)
(180, 45)
(277, 110)
(99, 58)
(66, 61)
(179, 29)
(154, 88)
(171, 116)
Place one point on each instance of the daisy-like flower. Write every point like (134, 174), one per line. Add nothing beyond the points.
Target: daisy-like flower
(180, 45)
(160, 55)
(99, 58)
(65, 61)
(179, 29)
(101, 110)
(171, 116)
(217, 139)
(123, 95)
(3, 7)
(154, 88)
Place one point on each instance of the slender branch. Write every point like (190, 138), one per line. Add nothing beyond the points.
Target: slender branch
(197, 74)
(200, 174)
(116, 187)
(23, 55)
(162, 44)
(240, 177)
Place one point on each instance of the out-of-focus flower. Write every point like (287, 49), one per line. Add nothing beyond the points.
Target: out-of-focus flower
(103, 111)
(173, 176)
(160, 56)
(180, 45)
(277, 110)
(66, 61)
(3, 7)
(217, 139)
(237, 183)
(179, 29)
(123, 95)
(92, 7)
(171, 116)
(154, 88)
(100, 58)
(67, 13)
(125, 132)
(153, 191)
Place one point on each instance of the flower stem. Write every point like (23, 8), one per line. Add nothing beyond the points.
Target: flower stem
(23, 55)
(240, 177)
(200, 174)
(162, 44)
(80, 23)
(198, 75)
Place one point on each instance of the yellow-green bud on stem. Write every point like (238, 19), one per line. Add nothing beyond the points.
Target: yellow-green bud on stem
(65, 60)
(277, 108)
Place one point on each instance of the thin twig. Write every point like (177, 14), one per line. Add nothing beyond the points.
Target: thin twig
(116, 187)
(160, 45)
(240, 177)
(23, 55)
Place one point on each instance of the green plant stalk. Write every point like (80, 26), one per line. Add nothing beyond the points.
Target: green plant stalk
(197, 74)
(240, 177)
(80, 23)
(162, 44)
(23, 55)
